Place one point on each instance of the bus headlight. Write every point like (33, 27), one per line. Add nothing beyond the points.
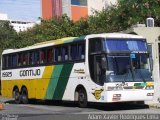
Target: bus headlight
(149, 87)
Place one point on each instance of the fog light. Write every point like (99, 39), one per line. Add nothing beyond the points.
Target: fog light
(116, 97)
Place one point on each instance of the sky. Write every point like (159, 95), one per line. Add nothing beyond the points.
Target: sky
(24, 10)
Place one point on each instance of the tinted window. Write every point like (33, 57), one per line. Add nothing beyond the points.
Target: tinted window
(14, 60)
(65, 53)
(58, 54)
(42, 56)
(79, 2)
(49, 55)
(4, 62)
(95, 45)
(77, 51)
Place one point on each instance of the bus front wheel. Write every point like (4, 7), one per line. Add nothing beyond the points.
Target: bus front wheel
(16, 95)
(24, 95)
(82, 98)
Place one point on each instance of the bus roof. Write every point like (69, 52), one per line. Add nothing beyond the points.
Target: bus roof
(115, 35)
(45, 44)
(72, 39)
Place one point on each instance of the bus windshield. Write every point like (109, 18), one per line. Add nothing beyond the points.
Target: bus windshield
(125, 45)
(128, 67)
(127, 60)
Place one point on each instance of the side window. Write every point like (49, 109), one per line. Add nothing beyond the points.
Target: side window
(81, 51)
(26, 59)
(42, 56)
(95, 45)
(14, 60)
(20, 59)
(4, 61)
(9, 61)
(77, 51)
(65, 53)
(36, 57)
(57, 54)
(31, 58)
(74, 52)
(49, 55)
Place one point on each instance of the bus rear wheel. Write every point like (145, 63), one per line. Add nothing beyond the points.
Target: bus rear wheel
(16, 96)
(82, 98)
(24, 95)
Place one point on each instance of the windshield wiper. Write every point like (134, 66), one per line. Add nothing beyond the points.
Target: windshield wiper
(141, 76)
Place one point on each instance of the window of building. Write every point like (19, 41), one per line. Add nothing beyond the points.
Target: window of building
(79, 2)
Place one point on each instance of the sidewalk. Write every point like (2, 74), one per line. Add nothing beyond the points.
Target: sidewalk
(155, 105)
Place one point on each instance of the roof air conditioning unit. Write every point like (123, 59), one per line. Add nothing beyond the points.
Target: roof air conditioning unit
(150, 22)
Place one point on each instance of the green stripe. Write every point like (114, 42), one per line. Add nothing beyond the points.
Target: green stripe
(79, 38)
(139, 84)
(75, 39)
(53, 81)
(62, 82)
(69, 40)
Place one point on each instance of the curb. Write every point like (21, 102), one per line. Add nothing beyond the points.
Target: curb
(157, 106)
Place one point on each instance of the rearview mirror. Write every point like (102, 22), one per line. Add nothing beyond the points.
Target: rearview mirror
(103, 63)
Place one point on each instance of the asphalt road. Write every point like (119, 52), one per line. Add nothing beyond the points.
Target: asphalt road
(42, 110)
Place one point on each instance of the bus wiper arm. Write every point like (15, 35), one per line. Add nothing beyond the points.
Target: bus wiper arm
(142, 76)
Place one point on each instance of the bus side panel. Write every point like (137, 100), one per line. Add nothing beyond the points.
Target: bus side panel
(4, 87)
(53, 82)
(8, 86)
(58, 81)
(36, 87)
(41, 85)
(77, 77)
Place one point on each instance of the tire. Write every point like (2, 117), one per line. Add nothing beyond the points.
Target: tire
(82, 98)
(17, 96)
(24, 96)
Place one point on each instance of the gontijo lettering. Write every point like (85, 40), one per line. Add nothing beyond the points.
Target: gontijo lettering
(30, 72)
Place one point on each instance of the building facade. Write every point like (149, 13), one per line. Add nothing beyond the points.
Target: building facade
(3, 16)
(18, 26)
(75, 9)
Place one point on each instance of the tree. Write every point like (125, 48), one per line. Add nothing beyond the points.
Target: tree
(112, 19)
(7, 36)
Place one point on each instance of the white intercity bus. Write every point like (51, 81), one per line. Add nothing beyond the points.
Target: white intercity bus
(102, 68)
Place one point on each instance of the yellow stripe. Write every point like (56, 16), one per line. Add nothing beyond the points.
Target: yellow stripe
(150, 83)
(36, 88)
(55, 42)
(43, 83)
